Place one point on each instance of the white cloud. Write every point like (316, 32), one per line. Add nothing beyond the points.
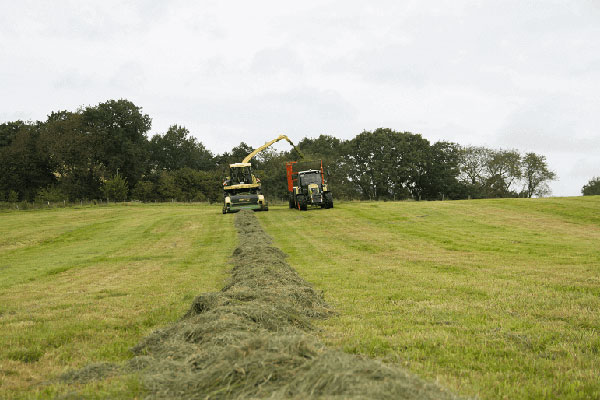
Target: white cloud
(511, 74)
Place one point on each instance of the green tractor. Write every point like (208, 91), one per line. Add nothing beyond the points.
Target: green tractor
(308, 188)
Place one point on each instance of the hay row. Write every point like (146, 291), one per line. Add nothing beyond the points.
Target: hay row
(254, 339)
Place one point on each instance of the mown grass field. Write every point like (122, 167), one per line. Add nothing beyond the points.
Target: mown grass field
(492, 298)
(79, 286)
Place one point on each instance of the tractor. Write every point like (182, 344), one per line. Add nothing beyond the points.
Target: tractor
(307, 187)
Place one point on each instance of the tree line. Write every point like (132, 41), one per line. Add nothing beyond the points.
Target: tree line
(105, 152)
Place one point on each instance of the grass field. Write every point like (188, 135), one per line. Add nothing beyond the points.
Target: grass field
(493, 298)
(84, 285)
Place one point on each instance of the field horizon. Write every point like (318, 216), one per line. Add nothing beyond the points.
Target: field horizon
(489, 298)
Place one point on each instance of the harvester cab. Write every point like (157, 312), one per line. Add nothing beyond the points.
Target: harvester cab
(307, 187)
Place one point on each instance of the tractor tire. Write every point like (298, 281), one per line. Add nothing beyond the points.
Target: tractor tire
(301, 203)
(329, 200)
(291, 202)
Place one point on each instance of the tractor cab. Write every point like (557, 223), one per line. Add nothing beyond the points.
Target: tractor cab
(310, 177)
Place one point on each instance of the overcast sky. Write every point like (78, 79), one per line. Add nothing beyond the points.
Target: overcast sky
(518, 74)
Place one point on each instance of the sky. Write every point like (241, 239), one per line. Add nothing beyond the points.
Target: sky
(519, 74)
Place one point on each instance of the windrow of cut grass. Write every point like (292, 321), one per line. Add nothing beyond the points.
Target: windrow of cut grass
(491, 298)
(253, 340)
(83, 285)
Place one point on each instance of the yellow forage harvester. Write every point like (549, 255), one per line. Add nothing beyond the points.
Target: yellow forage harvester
(241, 189)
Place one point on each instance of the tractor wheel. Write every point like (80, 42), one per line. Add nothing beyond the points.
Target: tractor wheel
(301, 203)
(291, 202)
(329, 200)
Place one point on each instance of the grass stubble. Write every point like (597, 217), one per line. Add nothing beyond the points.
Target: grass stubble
(82, 285)
(490, 298)
(255, 339)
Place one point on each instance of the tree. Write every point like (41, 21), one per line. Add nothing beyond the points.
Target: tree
(195, 185)
(592, 188)
(176, 149)
(386, 164)
(24, 163)
(503, 168)
(115, 189)
(325, 146)
(237, 154)
(473, 161)
(167, 187)
(117, 131)
(536, 174)
(8, 132)
(12, 197)
(51, 194)
(441, 180)
(72, 150)
(144, 191)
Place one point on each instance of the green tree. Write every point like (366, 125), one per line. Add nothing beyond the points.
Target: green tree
(536, 174)
(472, 163)
(52, 194)
(117, 131)
(368, 161)
(72, 150)
(503, 169)
(167, 188)
(176, 149)
(12, 197)
(386, 164)
(195, 185)
(236, 155)
(24, 163)
(8, 132)
(144, 191)
(441, 181)
(325, 147)
(115, 189)
(592, 188)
